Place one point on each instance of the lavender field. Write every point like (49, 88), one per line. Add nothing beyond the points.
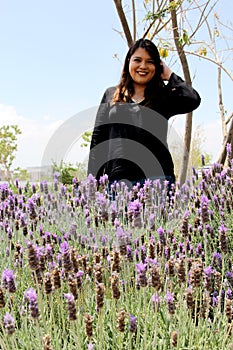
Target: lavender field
(142, 271)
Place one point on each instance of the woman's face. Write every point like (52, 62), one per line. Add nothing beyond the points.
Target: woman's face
(141, 67)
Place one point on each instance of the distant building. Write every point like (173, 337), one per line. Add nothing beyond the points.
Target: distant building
(38, 173)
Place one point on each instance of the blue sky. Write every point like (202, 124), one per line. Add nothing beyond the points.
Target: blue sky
(57, 58)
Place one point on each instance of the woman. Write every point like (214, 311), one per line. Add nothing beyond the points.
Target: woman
(129, 141)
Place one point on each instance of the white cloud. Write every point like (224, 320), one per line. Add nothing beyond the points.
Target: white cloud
(213, 138)
(34, 138)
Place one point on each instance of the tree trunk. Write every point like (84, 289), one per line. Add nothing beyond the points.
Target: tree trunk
(188, 122)
(228, 139)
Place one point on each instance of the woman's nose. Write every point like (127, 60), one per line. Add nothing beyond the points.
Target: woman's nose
(142, 64)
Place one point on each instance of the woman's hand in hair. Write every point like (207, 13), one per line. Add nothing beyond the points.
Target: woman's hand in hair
(166, 72)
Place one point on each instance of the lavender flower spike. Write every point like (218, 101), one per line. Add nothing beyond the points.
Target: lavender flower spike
(9, 323)
(132, 323)
(8, 281)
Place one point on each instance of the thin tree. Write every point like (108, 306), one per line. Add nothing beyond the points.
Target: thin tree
(8, 148)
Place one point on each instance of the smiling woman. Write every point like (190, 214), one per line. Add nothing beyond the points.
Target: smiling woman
(129, 140)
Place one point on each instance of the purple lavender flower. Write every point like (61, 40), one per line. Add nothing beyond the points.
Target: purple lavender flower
(217, 260)
(132, 323)
(229, 276)
(90, 346)
(170, 302)
(161, 234)
(9, 323)
(141, 268)
(141, 271)
(198, 249)
(64, 248)
(30, 296)
(79, 278)
(229, 294)
(215, 299)
(69, 297)
(103, 180)
(134, 210)
(129, 253)
(8, 281)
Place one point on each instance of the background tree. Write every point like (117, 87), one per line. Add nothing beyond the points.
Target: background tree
(8, 148)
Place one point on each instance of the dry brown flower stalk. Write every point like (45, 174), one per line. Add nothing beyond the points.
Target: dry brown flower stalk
(48, 283)
(88, 324)
(2, 299)
(189, 298)
(32, 257)
(174, 337)
(56, 274)
(121, 320)
(74, 259)
(98, 273)
(47, 343)
(196, 273)
(72, 283)
(217, 280)
(228, 309)
(181, 272)
(151, 253)
(116, 262)
(155, 277)
(205, 305)
(223, 241)
(115, 286)
(99, 296)
(171, 268)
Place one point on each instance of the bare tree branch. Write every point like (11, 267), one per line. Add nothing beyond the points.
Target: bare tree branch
(134, 20)
(229, 118)
(211, 60)
(221, 106)
(124, 22)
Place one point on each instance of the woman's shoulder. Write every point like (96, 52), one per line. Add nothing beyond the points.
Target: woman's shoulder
(108, 94)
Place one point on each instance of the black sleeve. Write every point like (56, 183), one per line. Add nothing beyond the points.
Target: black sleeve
(182, 98)
(99, 135)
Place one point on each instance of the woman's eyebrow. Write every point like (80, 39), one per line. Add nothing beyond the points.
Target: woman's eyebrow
(148, 59)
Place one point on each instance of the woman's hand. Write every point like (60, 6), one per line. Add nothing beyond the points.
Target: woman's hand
(166, 71)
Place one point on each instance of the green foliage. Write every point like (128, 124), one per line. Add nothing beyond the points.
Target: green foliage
(67, 172)
(8, 146)
(184, 38)
(87, 138)
(21, 174)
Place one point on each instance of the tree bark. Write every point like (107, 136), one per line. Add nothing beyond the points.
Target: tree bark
(188, 122)
(228, 139)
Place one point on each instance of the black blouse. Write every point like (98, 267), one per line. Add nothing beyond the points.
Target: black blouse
(129, 140)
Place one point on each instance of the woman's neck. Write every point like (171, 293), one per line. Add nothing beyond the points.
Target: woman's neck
(139, 91)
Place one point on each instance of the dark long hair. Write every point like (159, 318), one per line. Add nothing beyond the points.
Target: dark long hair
(125, 89)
